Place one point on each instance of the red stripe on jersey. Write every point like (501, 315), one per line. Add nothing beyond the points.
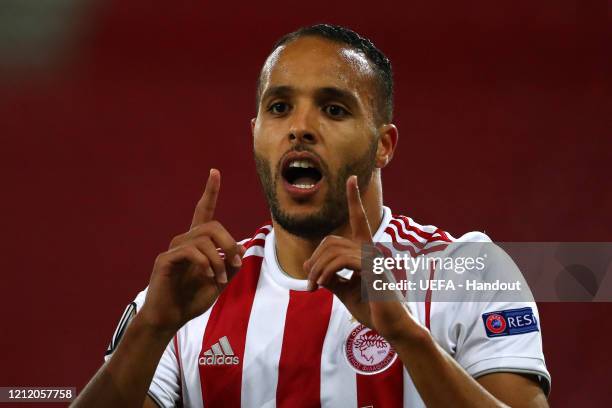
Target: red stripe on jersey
(402, 233)
(264, 229)
(384, 390)
(410, 247)
(428, 299)
(424, 234)
(403, 225)
(299, 370)
(399, 246)
(229, 317)
(180, 368)
(255, 242)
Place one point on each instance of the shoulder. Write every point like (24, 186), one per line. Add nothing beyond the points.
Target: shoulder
(405, 233)
(254, 245)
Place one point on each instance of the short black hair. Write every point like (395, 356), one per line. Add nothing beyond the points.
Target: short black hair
(343, 35)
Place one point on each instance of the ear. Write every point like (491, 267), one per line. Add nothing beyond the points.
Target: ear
(387, 142)
(253, 121)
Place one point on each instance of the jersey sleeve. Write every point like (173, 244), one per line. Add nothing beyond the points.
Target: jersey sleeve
(496, 333)
(165, 388)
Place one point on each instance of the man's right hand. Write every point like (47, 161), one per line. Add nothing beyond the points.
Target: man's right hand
(185, 282)
(188, 278)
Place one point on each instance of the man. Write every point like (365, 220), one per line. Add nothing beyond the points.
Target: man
(291, 328)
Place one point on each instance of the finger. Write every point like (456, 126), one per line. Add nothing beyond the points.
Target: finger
(179, 240)
(328, 276)
(207, 247)
(347, 290)
(205, 209)
(357, 216)
(223, 240)
(325, 244)
(328, 246)
(317, 266)
(185, 254)
(314, 267)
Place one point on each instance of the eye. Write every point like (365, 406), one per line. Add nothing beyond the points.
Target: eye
(335, 111)
(278, 108)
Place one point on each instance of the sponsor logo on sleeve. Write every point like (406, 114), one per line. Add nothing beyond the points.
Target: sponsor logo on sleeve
(510, 322)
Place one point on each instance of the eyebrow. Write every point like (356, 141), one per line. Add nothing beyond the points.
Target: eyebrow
(329, 92)
(336, 93)
(277, 91)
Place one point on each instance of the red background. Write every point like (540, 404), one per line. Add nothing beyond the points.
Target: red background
(504, 117)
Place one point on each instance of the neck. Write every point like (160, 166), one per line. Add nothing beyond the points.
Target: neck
(292, 251)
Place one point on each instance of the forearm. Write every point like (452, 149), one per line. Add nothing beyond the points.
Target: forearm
(441, 382)
(125, 378)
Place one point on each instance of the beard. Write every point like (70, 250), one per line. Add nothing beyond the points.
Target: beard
(334, 212)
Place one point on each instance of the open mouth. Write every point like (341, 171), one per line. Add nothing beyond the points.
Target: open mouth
(302, 173)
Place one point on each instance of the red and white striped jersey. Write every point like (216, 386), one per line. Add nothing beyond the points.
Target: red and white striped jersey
(267, 342)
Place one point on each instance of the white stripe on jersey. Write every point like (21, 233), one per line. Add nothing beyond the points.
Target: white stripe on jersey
(190, 345)
(264, 341)
(335, 372)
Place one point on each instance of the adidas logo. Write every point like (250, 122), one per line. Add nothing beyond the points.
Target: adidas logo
(220, 353)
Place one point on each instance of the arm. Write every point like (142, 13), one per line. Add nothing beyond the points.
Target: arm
(516, 390)
(125, 378)
(185, 282)
(149, 403)
(440, 380)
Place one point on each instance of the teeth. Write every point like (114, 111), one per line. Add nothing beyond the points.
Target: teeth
(304, 185)
(305, 164)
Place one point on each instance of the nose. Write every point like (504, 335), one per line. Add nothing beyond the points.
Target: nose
(303, 126)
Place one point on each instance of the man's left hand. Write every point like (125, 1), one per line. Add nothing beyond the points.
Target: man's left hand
(390, 319)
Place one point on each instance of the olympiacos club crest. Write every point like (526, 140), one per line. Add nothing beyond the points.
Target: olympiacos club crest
(367, 351)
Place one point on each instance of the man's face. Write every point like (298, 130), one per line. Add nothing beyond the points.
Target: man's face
(315, 127)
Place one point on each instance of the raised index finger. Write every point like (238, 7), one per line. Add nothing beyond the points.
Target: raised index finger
(205, 209)
(357, 215)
